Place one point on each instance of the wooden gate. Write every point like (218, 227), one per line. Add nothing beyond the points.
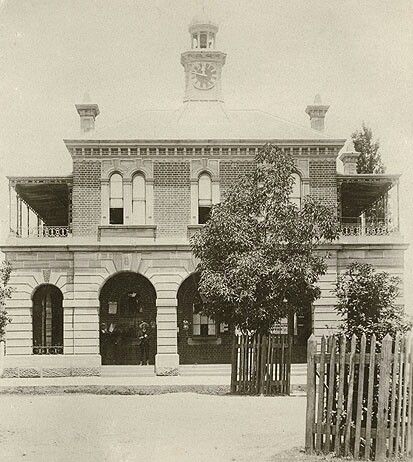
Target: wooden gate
(261, 364)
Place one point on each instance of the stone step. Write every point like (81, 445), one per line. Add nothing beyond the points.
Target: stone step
(128, 371)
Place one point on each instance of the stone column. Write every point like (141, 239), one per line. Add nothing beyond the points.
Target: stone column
(167, 358)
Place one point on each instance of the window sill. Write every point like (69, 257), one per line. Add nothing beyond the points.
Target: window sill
(132, 231)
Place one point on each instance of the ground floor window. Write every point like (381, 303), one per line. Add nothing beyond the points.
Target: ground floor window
(47, 320)
(202, 325)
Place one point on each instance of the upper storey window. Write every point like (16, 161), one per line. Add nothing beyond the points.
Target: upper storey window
(116, 200)
(296, 192)
(139, 199)
(204, 197)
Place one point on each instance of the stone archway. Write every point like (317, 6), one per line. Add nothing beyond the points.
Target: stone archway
(200, 339)
(126, 300)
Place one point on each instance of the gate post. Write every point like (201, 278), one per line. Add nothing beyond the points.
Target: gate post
(311, 394)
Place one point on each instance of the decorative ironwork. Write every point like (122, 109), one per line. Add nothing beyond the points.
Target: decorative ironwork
(49, 231)
(379, 228)
(48, 350)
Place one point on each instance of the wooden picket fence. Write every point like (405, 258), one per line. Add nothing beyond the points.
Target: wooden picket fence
(261, 364)
(359, 397)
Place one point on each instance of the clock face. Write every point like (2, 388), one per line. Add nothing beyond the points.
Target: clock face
(203, 75)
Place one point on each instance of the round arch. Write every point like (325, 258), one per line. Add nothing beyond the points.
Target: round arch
(200, 339)
(127, 305)
(47, 320)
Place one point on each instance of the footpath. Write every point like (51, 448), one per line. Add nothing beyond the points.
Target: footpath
(139, 380)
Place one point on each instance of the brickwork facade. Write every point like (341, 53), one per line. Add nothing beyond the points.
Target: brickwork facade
(172, 198)
(323, 181)
(86, 197)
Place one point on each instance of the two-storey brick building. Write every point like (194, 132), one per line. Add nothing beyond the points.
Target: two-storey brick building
(98, 252)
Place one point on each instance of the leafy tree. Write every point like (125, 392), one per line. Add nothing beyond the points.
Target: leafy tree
(367, 301)
(257, 252)
(5, 292)
(369, 160)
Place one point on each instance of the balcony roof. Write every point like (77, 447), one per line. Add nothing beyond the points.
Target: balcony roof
(358, 192)
(46, 196)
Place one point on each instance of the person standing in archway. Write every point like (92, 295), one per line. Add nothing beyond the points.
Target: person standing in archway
(143, 340)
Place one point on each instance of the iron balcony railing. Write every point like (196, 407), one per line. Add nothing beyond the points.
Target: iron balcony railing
(354, 226)
(48, 349)
(44, 231)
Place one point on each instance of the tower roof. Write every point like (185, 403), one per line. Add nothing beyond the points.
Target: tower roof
(202, 22)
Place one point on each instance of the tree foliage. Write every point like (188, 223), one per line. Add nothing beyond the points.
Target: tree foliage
(367, 302)
(369, 160)
(5, 293)
(257, 252)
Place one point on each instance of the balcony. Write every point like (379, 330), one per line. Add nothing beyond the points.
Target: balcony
(368, 206)
(40, 207)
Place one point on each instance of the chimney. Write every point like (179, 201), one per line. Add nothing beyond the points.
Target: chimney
(317, 113)
(88, 113)
(349, 157)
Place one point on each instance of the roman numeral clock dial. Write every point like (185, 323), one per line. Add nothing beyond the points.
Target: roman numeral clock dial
(203, 75)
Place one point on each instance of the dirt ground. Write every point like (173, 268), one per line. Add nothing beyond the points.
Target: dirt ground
(169, 427)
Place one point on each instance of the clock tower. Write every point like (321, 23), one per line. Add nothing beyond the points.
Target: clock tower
(203, 63)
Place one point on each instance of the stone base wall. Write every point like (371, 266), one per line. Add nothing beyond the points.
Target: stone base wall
(32, 366)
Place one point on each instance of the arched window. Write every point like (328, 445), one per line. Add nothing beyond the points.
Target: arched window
(296, 192)
(116, 199)
(204, 197)
(139, 199)
(47, 320)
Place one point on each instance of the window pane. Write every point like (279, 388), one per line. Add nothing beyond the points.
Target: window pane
(138, 187)
(116, 216)
(116, 203)
(211, 329)
(116, 186)
(203, 214)
(205, 189)
(197, 318)
(196, 329)
(139, 212)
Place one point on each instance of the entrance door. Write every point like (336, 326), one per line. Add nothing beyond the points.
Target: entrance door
(126, 301)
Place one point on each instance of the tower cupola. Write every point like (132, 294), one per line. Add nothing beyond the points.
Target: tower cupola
(203, 63)
(203, 34)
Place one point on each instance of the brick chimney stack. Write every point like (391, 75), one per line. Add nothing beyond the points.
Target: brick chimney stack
(349, 157)
(88, 113)
(317, 113)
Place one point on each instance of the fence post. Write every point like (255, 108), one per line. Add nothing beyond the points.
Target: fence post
(311, 394)
(263, 363)
(234, 364)
(385, 363)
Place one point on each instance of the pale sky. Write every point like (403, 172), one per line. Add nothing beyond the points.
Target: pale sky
(126, 54)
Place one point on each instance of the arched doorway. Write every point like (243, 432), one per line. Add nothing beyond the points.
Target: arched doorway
(201, 340)
(47, 319)
(126, 301)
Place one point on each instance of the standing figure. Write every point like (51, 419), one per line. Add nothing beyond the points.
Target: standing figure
(143, 340)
